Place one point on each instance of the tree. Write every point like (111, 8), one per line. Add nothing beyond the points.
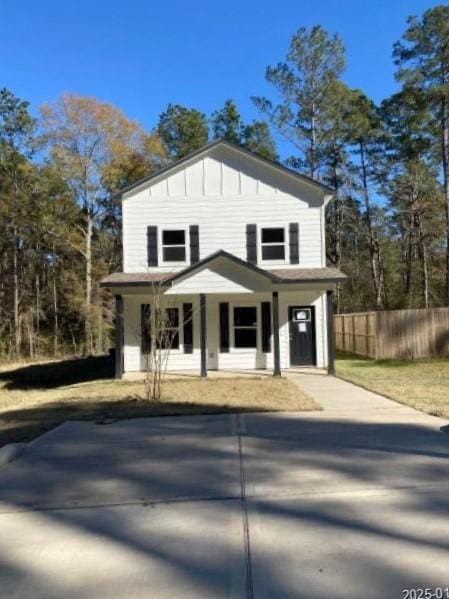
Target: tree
(313, 64)
(336, 168)
(87, 139)
(257, 138)
(422, 57)
(16, 130)
(414, 202)
(367, 141)
(182, 130)
(228, 124)
(410, 183)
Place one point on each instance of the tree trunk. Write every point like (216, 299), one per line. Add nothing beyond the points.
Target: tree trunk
(409, 259)
(17, 336)
(312, 146)
(382, 299)
(424, 263)
(31, 335)
(100, 331)
(38, 297)
(87, 323)
(338, 224)
(373, 244)
(445, 161)
(55, 308)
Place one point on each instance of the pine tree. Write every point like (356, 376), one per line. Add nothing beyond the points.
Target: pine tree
(182, 130)
(422, 57)
(314, 62)
(228, 124)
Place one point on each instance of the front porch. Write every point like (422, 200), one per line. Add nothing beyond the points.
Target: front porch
(227, 315)
(235, 333)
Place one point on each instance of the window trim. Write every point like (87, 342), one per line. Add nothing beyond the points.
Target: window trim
(240, 350)
(186, 246)
(285, 244)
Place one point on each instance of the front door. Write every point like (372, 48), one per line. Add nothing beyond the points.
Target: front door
(302, 335)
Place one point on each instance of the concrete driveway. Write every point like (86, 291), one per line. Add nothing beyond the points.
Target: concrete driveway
(346, 503)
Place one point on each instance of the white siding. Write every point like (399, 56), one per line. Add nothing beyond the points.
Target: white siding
(221, 193)
(221, 276)
(237, 358)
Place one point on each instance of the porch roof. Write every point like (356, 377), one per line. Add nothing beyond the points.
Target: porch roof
(279, 276)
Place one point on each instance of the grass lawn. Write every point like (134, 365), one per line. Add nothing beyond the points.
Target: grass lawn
(36, 397)
(421, 384)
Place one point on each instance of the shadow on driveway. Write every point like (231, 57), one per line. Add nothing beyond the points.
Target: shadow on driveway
(153, 508)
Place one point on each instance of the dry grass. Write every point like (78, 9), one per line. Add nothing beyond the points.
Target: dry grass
(421, 384)
(37, 397)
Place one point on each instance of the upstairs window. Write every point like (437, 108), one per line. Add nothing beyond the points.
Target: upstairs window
(174, 246)
(245, 326)
(273, 244)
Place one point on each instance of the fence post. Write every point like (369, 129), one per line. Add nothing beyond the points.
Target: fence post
(366, 334)
(354, 347)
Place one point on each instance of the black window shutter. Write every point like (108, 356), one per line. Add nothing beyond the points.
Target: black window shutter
(266, 327)
(187, 319)
(145, 327)
(194, 231)
(224, 327)
(251, 244)
(294, 243)
(152, 246)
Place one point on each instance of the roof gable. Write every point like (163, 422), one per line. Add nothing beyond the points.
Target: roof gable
(223, 169)
(220, 273)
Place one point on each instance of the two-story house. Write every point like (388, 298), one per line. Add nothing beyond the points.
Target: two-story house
(234, 246)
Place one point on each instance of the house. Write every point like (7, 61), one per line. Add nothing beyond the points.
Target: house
(234, 247)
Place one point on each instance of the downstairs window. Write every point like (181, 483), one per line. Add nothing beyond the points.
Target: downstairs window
(245, 326)
(167, 329)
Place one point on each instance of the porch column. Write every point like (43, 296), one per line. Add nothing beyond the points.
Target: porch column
(118, 336)
(330, 334)
(203, 335)
(276, 345)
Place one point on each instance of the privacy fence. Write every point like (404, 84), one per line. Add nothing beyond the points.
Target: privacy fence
(394, 333)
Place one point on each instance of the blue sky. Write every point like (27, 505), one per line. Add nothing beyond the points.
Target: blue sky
(140, 55)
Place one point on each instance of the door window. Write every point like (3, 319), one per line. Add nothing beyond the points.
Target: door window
(302, 315)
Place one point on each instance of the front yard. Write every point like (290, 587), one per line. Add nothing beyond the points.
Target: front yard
(421, 384)
(36, 397)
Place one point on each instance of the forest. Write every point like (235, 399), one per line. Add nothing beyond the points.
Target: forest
(387, 227)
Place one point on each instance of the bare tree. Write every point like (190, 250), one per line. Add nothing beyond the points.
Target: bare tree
(161, 323)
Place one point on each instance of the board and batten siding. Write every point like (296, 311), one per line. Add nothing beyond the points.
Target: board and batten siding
(222, 194)
(235, 358)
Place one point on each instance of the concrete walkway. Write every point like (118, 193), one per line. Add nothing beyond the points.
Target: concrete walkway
(348, 502)
(337, 396)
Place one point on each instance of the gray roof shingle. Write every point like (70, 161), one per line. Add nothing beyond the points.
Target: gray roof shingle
(134, 278)
(325, 273)
(277, 276)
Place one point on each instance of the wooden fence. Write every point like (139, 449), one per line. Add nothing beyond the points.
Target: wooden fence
(394, 333)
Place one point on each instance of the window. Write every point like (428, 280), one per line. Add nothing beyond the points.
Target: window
(174, 246)
(273, 244)
(245, 327)
(302, 315)
(168, 329)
